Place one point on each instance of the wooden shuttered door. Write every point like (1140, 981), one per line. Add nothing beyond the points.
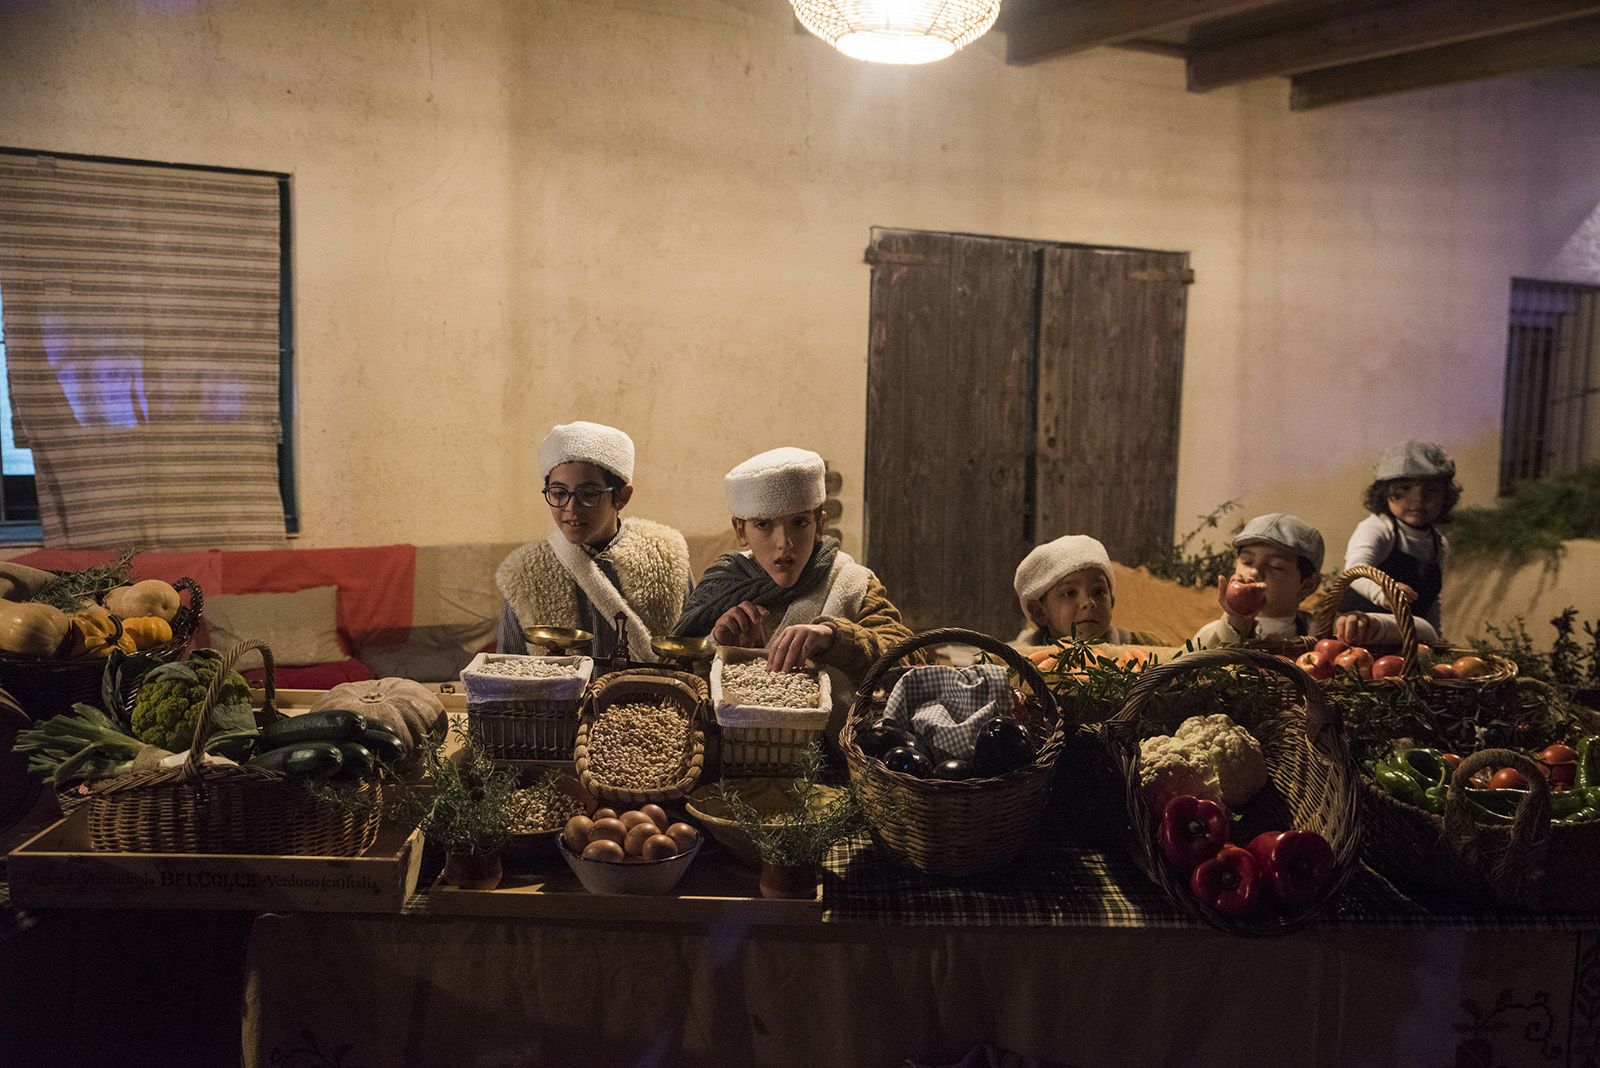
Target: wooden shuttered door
(1017, 391)
(142, 310)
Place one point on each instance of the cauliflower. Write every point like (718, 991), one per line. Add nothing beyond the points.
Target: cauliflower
(1207, 756)
(170, 698)
(1168, 769)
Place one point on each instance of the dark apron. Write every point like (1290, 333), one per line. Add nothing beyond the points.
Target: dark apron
(1424, 576)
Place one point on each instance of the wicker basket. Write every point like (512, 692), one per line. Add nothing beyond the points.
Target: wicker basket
(957, 827)
(746, 745)
(48, 686)
(205, 808)
(528, 727)
(686, 692)
(1313, 784)
(1501, 670)
(1527, 864)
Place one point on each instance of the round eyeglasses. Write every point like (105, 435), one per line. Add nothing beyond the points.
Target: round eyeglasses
(585, 496)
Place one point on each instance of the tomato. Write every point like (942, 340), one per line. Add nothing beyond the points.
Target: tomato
(1315, 666)
(1558, 754)
(1245, 598)
(1328, 648)
(1385, 666)
(1508, 779)
(1470, 667)
(1450, 758)
(1355, 660)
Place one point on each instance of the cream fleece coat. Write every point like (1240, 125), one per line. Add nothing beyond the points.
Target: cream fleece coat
(540, 581)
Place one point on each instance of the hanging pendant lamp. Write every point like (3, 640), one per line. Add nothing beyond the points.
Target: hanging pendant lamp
(897, 31)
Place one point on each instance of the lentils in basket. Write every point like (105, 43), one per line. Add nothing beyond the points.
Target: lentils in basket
(752, 684)
(638, 745)
(527, 669)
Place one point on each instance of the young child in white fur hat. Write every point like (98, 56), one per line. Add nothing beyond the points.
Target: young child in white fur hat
(1066, 589)
(791, 590)
(595, 563)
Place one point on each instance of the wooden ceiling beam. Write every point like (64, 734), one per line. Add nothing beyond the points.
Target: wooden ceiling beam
(1084, 24)
(1558, 44)
(1386, 31)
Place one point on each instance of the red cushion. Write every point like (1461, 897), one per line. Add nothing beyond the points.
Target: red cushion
(376, 585)
(314, 676)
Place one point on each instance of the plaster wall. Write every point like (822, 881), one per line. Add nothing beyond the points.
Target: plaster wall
(653, 213)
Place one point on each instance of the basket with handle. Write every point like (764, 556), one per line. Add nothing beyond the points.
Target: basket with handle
(47, 686)
(1527, 863)
(955, 827)
(1500, 670)
(686, 694)
(1313, 784)
(198, 807)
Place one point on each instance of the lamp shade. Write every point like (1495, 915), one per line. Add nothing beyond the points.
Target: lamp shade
(897, 31)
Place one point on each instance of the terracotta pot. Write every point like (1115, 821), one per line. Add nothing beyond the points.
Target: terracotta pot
(783, 880)
(472, 871)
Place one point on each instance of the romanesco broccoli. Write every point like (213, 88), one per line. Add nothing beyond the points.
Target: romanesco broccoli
(170, 699)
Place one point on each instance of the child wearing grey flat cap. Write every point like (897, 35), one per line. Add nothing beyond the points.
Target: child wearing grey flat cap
(1282, 554)
(1412, 494)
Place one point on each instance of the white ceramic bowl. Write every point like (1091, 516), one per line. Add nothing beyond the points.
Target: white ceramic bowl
(623, 877)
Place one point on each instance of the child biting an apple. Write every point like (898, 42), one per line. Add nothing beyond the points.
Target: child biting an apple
(1279, 564)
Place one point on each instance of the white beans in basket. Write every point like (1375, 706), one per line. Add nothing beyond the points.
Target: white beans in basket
(638, 746)
(753, 684)
(526, 669)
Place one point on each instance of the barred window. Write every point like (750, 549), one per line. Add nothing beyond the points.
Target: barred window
(1551, 421)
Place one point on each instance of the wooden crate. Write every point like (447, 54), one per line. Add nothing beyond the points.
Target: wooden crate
(56, 869)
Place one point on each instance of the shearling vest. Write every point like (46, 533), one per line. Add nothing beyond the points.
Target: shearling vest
(540, 581)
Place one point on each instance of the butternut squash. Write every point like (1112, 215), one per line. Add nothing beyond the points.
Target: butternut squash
(152, 597)
(32, 629)
(19, 582)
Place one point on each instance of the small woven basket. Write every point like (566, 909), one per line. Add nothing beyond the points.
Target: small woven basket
(1501, 670)
(1529, 863)
(47, 686)
(957, 827)
(1312, 779)
(528, 727)
(751, 747)
(207, 808)
(687, 693)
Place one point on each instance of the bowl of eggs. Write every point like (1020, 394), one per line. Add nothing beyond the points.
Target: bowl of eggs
(633, 852)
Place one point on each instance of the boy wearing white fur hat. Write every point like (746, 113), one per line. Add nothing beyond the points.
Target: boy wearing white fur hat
(595, 563)
(1067, 590)
(792, 590)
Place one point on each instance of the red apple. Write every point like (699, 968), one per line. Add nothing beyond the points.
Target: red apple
(1328, 648)
(1385, 666)
(1315, 666)
(1470, 667)
(1444, 671)
(1355, 660)
(1245, 598)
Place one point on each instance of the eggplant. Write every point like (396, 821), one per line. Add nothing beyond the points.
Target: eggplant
(908, 760)
(878, 739)
(1002, 747)
(952, 769)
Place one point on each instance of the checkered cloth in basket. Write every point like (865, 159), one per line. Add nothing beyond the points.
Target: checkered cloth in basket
(945, 707)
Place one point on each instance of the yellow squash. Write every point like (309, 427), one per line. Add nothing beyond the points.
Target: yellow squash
(147, 632)
(152, 597)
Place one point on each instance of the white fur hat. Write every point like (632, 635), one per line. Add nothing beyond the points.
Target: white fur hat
(777, 482)
(587, 443)
(1053, 561)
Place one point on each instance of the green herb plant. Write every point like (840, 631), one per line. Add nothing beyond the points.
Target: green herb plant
(465, 803)
(1201, 565)
(801, 836)
(1535, 520)
(68, 592)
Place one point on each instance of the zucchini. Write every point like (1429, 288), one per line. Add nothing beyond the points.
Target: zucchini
(333, 725)
(236, 747)
(312, 760)
(385, 746)
(358, 762)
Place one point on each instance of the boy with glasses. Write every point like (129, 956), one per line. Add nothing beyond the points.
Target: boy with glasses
(595, 563)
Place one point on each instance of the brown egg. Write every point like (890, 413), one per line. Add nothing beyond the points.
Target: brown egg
(634, 818)
(576, 833)
(638, 834)
(603, 814)
(610, 828)
(604, 849)
(657, 813)
(683, 836)
(659, 847)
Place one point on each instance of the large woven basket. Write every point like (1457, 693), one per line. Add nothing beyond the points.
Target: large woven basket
(687, 693)
(1501, 669)
(205, 808)
(1528, 864)
(1312, 778)
(48, 686)
(954, 827)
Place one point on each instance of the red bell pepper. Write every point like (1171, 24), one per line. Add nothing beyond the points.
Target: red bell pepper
(1295, 865)
(1192, 830)
(1229, 883)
